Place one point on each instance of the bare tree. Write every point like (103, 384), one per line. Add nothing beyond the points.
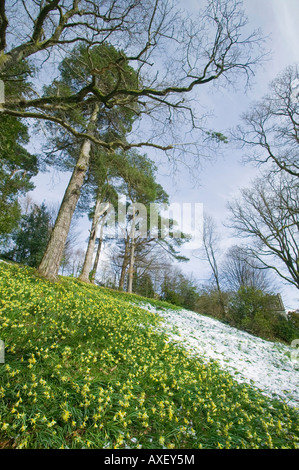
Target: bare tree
(132, 251)
(99, 248)
(271, 128)
(75, 262)
(199, 51)
(241, 270)
(124, 260)
(211, 250)
(268, 213)
(100, 209)
(71, 250)
(152, 260)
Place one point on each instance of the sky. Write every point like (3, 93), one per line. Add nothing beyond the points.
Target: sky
(219, 181)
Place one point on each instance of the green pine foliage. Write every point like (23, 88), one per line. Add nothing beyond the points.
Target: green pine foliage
(31, 237)
(17, 167)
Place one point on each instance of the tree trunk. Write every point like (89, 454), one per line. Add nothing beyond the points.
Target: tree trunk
(50, 263)
(124, 265)
(84, 276)
(132, 255)
(131, 267)
(220, 298)
(96, 260)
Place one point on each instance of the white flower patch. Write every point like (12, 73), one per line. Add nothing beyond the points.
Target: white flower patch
(263, 364)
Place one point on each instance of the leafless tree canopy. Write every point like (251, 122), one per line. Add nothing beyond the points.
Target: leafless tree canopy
(241, 270)
(171, 52)
(269, 214)
(211, 254)
(271, 128)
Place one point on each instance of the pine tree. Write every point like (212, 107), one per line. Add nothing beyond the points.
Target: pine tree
(96, 118)
(32, 236)
(17, 166)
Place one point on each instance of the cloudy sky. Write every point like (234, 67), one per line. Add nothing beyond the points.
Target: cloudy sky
(219, 182)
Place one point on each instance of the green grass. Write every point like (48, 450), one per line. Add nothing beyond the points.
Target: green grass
(85, 368)
(159, 304)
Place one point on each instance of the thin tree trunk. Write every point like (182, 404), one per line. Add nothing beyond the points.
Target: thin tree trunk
(132, 255)
(210, 243)
(51, 261)
(84, 276)
(124, 265)
(131, 267)
(220, 298)
(97, 258)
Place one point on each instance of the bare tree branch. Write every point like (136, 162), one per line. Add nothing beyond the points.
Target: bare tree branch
(271, 128)
(263, 214)
(140, 29)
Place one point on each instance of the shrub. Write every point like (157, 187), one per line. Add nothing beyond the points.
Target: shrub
(252, 310)
(285, 330)
(208, 303)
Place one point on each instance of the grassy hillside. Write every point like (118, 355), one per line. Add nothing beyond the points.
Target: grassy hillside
(84, 368)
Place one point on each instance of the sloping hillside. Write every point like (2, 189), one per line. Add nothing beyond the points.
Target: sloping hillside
(87, 367)
(271, 367)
